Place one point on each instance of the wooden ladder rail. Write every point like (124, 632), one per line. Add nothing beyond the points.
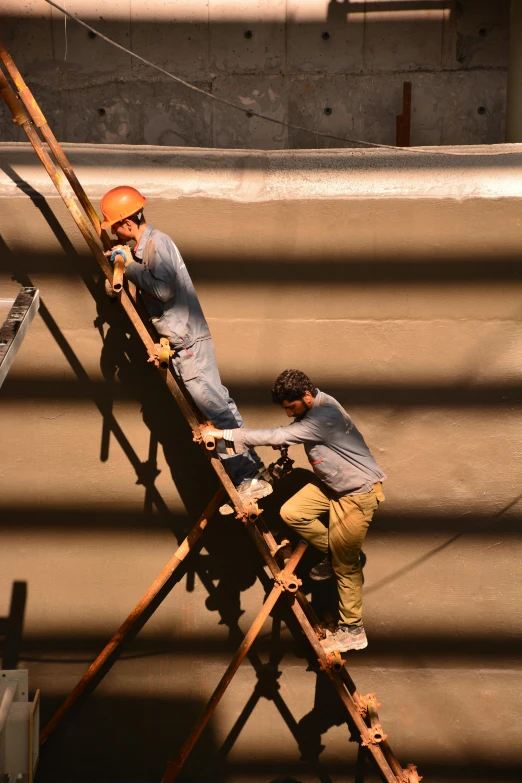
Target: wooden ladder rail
(255, 525)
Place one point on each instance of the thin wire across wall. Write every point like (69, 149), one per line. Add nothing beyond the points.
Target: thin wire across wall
(252, 112)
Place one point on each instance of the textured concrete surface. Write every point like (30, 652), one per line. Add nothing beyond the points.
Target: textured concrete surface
(393, 280)
(514, 102)
(334, 67)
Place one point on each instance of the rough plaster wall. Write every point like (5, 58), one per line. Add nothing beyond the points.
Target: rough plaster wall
(290, 59)
(390, 280)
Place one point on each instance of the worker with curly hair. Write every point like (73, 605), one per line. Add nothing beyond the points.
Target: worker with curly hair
(349, 489)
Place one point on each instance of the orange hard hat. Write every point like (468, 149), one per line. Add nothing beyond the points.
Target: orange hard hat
(120, 203)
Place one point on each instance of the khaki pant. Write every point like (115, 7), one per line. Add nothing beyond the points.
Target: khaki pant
(350, 516)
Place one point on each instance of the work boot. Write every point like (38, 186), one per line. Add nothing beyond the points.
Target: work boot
(346, 637)
(249, 491)
(322, 571)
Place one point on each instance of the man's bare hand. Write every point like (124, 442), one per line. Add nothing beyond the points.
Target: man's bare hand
(212, 433)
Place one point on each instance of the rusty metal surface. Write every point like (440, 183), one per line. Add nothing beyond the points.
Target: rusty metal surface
(412, 774)
(394, 763)
(335, 661)
(376, 731)
(117, 276)
(288, 580)
(21, 312)
(337, 681)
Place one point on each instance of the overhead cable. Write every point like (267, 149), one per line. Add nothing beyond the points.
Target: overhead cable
(242, 109)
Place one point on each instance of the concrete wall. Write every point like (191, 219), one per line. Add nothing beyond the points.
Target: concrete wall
(390, 279)
(333, 66)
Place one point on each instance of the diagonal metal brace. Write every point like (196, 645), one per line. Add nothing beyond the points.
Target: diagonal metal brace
(175, 766)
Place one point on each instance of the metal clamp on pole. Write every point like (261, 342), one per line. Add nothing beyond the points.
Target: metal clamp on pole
(411, 774)
(283, 466)
(335, 661)
(252, 511)
(288, 582)
(375, 729)
(161, 353)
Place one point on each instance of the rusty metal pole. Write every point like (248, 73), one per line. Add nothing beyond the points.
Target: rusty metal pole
(134, 617)
(362, 753)
(117, 276)
(394, 763)
(411, 774)
(174, 767)
(41, 123)
(336, 680)
(350, 699)
(370, 704)
(373, 718)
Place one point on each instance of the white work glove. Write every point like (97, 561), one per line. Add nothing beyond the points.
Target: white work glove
(122, 251)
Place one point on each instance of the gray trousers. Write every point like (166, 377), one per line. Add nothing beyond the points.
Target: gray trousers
(198, 369)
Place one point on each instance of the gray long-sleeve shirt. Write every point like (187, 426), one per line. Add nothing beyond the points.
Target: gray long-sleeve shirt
(168, 293)
(335, 448)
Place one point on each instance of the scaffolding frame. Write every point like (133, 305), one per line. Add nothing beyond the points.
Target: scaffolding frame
(361, 711)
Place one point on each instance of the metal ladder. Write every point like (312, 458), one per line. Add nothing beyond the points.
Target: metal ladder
(362, 715)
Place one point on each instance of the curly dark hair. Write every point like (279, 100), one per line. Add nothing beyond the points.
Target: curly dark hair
(292, 385)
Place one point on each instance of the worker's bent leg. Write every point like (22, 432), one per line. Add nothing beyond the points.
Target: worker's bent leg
(350, 517)
(198, 368)
(301, 513)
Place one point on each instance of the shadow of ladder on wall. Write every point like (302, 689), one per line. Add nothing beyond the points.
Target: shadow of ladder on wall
(361, 711)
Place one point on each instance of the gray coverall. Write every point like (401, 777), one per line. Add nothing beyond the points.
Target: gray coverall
(173, 306)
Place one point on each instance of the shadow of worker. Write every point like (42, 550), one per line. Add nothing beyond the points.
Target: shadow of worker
(338, 10)
(328, 711)
(231, 560)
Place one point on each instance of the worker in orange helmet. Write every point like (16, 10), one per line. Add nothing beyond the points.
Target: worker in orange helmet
(157, 269)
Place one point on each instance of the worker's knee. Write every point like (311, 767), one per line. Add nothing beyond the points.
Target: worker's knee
(288, 513)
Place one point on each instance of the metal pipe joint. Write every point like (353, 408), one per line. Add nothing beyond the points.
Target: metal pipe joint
(375, 730)
(161, 352)
(289, 582)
